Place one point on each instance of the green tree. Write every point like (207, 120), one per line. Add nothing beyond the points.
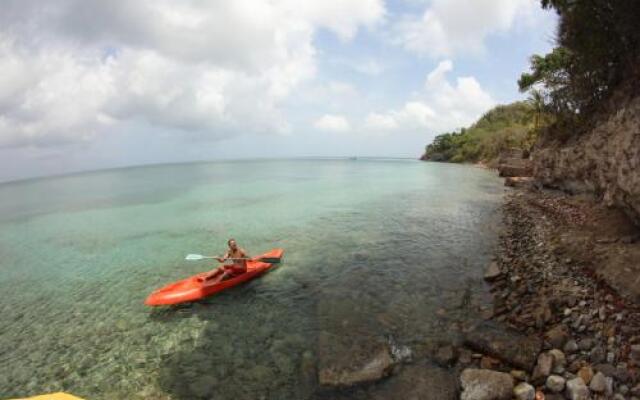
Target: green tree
(598, 49)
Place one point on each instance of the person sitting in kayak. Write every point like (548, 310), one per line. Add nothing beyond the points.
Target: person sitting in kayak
(235, 260)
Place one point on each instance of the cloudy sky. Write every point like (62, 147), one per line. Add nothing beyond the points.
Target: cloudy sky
(90, 84)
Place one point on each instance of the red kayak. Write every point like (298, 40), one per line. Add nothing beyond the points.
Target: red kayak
(196, 287)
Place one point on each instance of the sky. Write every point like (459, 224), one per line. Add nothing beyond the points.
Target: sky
(92, 84)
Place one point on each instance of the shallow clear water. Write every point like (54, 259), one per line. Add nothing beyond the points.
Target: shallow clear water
(384, 243)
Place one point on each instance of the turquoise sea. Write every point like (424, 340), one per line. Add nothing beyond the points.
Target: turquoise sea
(406, 242)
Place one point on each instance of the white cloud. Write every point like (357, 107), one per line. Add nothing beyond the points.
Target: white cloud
(332, 123)
(381, 122)
(369, 67)
(363, 65)
(51, 98)
(341, 89)
(443, 106)
(73, 67)
(450, 27)
(413, 115)
(341, 17)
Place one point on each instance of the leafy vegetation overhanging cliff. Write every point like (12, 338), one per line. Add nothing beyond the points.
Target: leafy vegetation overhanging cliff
(597, 54)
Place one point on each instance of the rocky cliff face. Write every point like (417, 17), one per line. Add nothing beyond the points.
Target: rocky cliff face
(604, 161)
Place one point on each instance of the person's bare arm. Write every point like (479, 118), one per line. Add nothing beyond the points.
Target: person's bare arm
(244, 254)
(223, 258)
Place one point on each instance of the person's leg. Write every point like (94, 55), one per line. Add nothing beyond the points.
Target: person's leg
(216, 272)
(228, 273)
(232, 272)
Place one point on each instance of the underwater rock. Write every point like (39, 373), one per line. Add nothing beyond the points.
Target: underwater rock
(445, 356)
(358, 363)
(347, 352)
(423, 382)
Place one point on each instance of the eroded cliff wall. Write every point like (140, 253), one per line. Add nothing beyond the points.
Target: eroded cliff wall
(604, 161)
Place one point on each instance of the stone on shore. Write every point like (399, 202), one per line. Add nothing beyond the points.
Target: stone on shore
(482, 384)
(517, 181)
(601, 384)
(519, 375)
(570, 347)
(586, 373)
(555, 383)
(543, 367)
(493, 272)
(524, 391)
(577, 390)
(506, 345)
(559, 360)
(620, 373)
(557, 336)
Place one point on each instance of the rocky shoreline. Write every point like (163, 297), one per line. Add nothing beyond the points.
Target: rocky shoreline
(562, 326)
(589, 331)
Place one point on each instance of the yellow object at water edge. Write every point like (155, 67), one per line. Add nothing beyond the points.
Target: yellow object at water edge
(52, 396)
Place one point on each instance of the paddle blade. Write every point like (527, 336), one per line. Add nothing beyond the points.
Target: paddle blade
(194, 257)
(270, 260)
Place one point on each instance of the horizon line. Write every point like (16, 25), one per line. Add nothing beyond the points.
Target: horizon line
(203, 161)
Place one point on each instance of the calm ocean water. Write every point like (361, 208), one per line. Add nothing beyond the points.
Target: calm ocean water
(79, 254)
